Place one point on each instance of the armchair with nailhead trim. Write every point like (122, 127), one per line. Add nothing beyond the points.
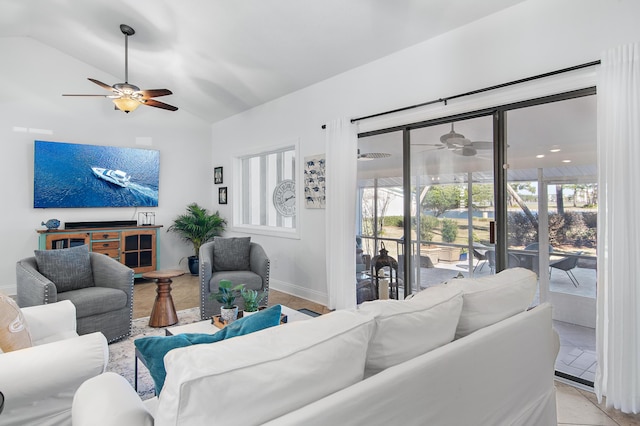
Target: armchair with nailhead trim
(105, 306)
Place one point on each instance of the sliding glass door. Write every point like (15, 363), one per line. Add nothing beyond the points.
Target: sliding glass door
(452, 203)
(470, 195)
(552, 205)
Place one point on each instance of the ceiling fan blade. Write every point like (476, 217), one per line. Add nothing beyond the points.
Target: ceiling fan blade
(439, 145)
(154, 93)
(482, 144)
(101, 84)
(102, 96)
(158, 104)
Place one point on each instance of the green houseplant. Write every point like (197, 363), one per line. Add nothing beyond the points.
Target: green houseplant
(252, 299)
(227, 294)
(197, 226)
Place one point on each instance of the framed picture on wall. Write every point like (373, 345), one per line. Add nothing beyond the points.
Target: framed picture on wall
(222, 195)
(217, 175)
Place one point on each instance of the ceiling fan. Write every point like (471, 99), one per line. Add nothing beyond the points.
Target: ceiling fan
(372, 155)
(458, 144)
(128, 97)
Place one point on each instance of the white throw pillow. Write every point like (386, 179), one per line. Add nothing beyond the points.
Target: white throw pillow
(408, 328)
(492, 298)
(254, 378)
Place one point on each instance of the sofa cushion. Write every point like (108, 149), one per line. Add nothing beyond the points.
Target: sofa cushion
(68, 269)
(255, 378)
(492, 298)
(14, 332)
(152, 349)
(408, 328)
(231, 254)
(95, 300)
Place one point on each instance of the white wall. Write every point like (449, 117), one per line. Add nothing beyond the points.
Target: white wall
(530, 38)
(32, 79)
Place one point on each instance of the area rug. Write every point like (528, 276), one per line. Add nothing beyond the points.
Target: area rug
(122, 353)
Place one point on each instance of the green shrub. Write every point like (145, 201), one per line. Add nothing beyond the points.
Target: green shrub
(521, 230)
(427, 225)
(449, 230)
(394, 221)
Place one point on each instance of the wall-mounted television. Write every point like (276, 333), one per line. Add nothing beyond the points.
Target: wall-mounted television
(76, 175)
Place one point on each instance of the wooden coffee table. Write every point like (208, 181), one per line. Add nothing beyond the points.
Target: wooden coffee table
(163, 312)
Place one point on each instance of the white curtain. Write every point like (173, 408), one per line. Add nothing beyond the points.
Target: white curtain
(618, 297)
(340, 175)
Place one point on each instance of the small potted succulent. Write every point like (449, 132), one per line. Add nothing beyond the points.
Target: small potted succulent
(226, 295)
(252, 299)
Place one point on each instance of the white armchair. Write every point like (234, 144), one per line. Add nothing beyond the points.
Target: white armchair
(39, 382)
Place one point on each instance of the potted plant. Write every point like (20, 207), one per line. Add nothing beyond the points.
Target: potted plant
(463, 253)
(197, 226)
(226, 295)
(252, 299)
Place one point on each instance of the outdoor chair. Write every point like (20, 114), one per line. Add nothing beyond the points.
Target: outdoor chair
(566, 264)
(481, 255)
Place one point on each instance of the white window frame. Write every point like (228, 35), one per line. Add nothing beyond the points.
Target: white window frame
(238, 193)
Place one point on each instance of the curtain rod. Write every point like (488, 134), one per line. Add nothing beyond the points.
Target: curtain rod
(474, 92)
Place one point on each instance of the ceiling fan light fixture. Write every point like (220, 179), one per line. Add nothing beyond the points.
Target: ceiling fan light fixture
(126, 104)
(127, 97)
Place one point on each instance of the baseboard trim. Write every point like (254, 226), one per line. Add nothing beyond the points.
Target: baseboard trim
(298, 291)
(8, 289)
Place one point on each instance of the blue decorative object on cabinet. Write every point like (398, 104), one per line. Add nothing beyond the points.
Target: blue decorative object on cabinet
(52, 224)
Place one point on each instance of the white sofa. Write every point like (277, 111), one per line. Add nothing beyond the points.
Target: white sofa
(39, 382)
(388, 362)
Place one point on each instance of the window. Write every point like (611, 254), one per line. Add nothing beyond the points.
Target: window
(266, 199)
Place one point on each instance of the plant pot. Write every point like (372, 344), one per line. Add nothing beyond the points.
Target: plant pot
(246, 314)
(194, 265)
(463, 256)
(229, 315)
(449, 254)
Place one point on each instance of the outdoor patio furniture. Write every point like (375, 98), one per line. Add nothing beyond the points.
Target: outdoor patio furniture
(566, 264)
(531, 261)
(481, 255)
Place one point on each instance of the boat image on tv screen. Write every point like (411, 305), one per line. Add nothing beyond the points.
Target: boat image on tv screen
(75, 175)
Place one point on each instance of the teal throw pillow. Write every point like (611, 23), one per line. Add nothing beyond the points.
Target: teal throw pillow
(152, 349)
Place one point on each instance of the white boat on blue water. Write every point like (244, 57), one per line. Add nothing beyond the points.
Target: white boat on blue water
(116, 177)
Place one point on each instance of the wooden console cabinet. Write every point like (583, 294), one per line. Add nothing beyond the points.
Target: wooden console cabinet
(135, 246)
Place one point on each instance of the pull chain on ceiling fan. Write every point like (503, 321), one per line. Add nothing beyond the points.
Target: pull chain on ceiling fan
(127, 97)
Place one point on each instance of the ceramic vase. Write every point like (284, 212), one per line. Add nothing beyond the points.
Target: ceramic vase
(229, 315)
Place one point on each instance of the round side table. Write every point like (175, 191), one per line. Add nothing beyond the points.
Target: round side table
(163, 312)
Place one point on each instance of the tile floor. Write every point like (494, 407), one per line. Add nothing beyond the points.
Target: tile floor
(577, 405)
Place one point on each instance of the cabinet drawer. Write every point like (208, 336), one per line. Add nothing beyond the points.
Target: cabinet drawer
(112, 253)
(105, 245)
(105, 236)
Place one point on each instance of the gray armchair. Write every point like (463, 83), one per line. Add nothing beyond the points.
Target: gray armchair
(106, 305)
(213, 256)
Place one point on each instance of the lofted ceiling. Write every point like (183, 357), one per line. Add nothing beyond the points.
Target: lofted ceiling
(221, 58)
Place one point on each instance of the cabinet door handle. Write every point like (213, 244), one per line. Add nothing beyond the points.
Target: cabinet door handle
(105, 245)
(105, 236)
